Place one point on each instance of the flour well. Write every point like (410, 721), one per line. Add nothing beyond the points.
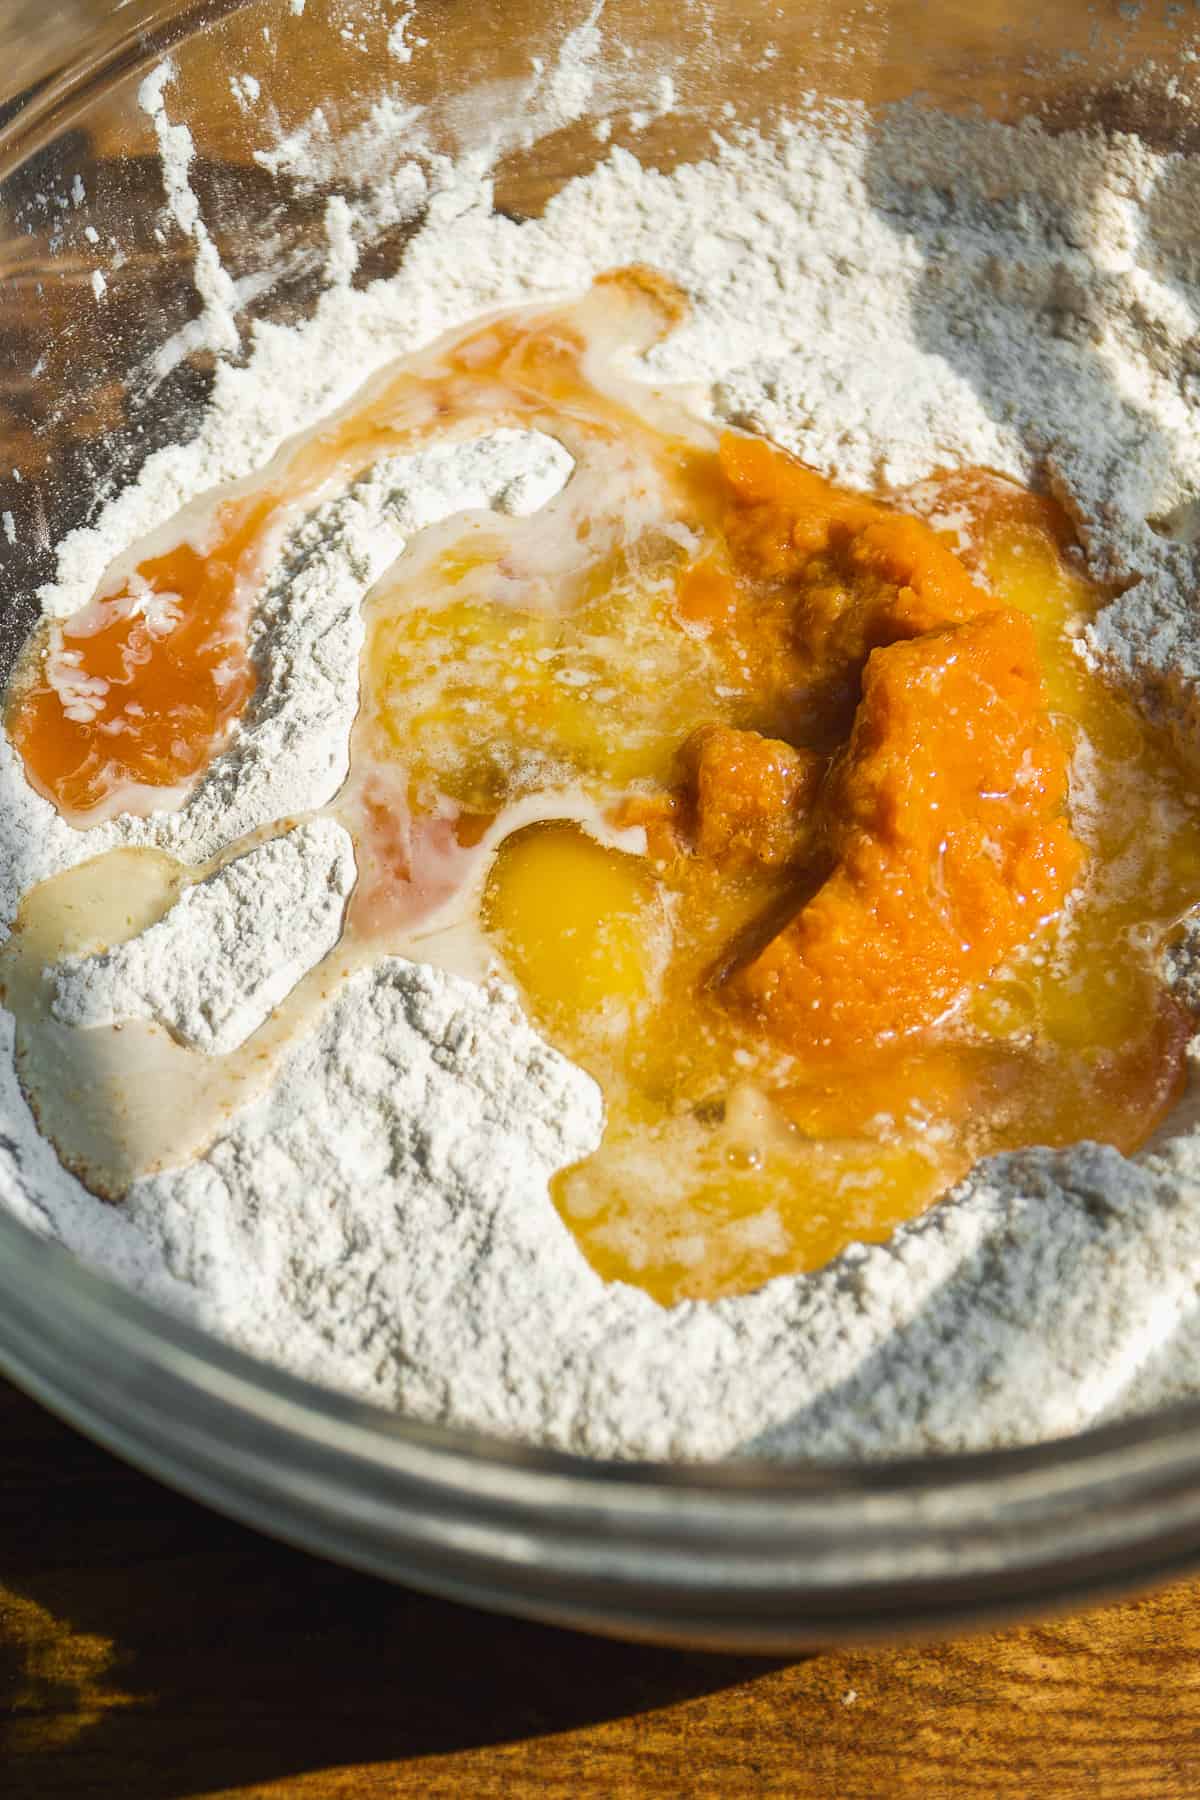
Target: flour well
(884, 303)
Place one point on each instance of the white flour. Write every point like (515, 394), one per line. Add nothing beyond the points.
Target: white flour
(208, 971)
(216, 327)
(946, 293)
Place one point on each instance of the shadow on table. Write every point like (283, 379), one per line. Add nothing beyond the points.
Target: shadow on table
(153, 1650)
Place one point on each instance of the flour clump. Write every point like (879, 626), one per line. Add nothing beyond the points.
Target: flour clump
(205, 971)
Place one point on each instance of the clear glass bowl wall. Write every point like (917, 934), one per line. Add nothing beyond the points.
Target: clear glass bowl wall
(745, 1556)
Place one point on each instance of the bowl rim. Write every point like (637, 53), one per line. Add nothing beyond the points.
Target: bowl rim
(747, 1555)
(116, 47)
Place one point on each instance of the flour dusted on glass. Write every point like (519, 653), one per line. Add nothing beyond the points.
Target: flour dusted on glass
(938, 293)
(216, 328)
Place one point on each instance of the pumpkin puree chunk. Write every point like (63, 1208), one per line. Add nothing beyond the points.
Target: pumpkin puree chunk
(752, 796)
(945, 817)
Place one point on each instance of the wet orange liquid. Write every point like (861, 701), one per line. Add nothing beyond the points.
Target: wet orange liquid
(140, 689)
(684, 639)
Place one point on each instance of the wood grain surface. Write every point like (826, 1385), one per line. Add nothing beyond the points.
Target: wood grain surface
(150, 1650)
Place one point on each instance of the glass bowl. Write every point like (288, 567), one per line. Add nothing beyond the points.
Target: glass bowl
(739, 1556)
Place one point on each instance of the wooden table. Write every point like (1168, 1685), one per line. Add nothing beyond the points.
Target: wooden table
(150, 1651)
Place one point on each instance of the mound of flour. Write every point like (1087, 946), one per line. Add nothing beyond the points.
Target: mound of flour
(883, 303)
(204, 972)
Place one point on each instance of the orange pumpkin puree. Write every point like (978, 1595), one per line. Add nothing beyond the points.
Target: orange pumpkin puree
(901, 864)
(943, 818)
